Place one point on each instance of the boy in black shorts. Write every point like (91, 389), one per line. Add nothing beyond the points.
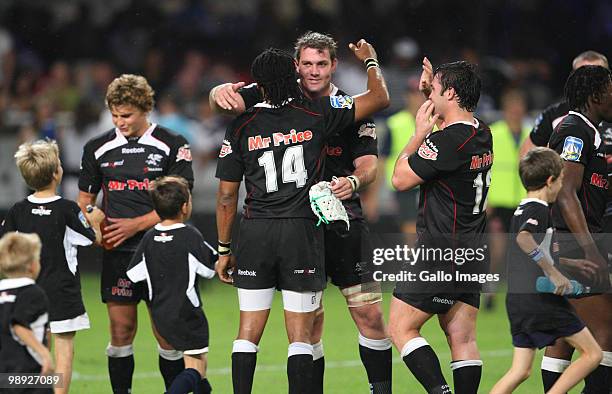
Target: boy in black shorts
(169, 258)
(23, 311)
(539, 319)
(62, 227)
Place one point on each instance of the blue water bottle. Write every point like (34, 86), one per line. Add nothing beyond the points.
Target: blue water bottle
(545, 285)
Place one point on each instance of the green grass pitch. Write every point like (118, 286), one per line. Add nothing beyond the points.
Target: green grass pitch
(344, 372)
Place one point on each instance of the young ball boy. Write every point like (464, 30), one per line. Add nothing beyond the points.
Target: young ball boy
(23, 310)
(539, 319)
(169, 258)
(62, 227)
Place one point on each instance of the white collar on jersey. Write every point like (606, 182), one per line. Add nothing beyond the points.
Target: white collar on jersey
(475, 124)
(14, 283)
(588, 122)
(45, 200)
(532, 199)
(174, 226)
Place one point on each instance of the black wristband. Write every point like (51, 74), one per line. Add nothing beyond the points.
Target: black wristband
(370, 62)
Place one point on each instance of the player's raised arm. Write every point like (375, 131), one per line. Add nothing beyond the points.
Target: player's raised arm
(376, 97)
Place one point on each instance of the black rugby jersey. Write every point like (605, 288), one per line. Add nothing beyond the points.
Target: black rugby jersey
(547, 121)
(281, 152)
(356, 140)
(62, 227)
(124, 168)
(169, 259)
(527, 309)
(21, 302)
(577, 140)
(605, 130)
(455, 163)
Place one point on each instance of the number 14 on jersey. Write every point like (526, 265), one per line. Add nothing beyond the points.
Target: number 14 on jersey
(292, 169)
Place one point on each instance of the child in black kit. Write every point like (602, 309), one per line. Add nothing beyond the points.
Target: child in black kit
(539, 319)
(169, 258)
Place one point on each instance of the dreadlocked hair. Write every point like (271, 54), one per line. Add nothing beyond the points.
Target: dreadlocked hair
(274, 71)
(584, 83)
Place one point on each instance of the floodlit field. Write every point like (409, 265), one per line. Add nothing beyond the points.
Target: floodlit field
(344, 372)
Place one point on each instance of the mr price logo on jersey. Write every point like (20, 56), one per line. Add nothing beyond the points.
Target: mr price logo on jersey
(572, 149)
(163, 238)
(367, 130)
(184, 153)
(278, 138)
(341, 101)
(130, 184)
(599, 180)
(41, 211)
(226, 149)
(428, 150)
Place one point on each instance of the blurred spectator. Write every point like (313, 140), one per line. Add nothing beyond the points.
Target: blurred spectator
(506, 189)
(405, 62)
(59, 88)
(508, 133)
(401, 127)
(208, 135)
(71, 141)
(168, 115)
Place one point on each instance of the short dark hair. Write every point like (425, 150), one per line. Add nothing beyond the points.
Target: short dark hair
(320, 41)
(590, 56)
(462, 77)
(274, 71)
(537, 165)
(169, 193)
(584, 83)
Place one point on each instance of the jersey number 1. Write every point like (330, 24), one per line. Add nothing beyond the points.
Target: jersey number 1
(293, 169)
(479, 185)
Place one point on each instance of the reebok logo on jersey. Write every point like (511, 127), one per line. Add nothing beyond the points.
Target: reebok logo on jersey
(341, 101)
(247, 272)
(226, 148)
(41, 211)
(428, 150)
(129, 151)
(154, 159)
(163, 238)
(184, 153)
(443, 301)
(572, 149)
(532, 221)
(367, 130)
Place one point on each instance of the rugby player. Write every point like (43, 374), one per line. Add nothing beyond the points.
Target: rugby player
(452, 167)
(352, 158)
(123, 162)
(278, 146)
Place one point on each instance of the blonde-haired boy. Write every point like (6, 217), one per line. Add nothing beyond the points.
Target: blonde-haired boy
(62, 227)
(23, 308)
